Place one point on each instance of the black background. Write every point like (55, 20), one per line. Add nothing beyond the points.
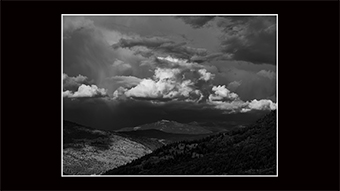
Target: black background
(308, 96)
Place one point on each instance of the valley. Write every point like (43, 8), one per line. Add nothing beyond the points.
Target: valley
(167, 147)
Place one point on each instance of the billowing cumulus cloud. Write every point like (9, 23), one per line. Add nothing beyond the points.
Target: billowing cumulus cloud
(222, 93)
(72, 83)
(226, 100)
(231, 106)
(262, 104)
(206, 76)
(172, 84)
(85, 91)
(79, 87)
(167, 84)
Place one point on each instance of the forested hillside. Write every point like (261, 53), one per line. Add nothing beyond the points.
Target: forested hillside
(243, 151)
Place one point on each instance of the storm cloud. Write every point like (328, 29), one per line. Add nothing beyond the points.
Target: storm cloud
(196, 22)
(126, 71)
(162, 46)
(245, 38)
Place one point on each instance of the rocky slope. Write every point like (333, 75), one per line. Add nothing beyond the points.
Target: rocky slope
(90, 151)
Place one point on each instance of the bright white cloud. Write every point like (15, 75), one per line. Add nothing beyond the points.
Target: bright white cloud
(119, 93)
(167, 83)
(179, 62)
(181, 84)
(146, 88)
(166, 73)
(263, 104)
(224, 99)
(85, 91)
(67, 93)
(171, 59)
(205, 75)
(230, 107)
(221, 93)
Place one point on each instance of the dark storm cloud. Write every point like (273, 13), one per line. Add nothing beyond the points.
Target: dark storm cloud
(249, 81)
(152, 42)
(250, 39)
(161, 68)
(162, 45)
(196, 22)
(245, 38)
(161, 26)
(182, 51)
(86, 51)
(211, 57)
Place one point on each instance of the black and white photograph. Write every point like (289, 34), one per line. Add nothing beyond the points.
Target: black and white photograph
(169, 95)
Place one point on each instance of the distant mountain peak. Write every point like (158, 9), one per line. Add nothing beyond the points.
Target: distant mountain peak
(164, 121)
(170, 127)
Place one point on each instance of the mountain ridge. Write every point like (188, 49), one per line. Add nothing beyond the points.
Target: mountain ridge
(169, 127)
(250, 150)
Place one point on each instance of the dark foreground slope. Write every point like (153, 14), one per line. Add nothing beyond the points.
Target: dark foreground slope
(244, 151)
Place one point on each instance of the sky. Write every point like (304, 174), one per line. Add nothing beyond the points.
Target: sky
(124, 71)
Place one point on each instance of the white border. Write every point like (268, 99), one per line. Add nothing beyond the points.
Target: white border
(62, 113)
